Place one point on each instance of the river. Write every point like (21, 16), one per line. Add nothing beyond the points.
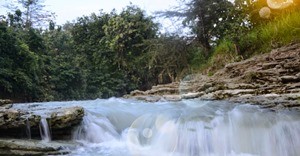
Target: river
(125, 127)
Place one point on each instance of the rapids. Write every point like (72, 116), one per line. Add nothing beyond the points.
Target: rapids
(124, 127)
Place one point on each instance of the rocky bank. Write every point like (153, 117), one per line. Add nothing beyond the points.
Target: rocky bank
(271, 80)
(20, 129)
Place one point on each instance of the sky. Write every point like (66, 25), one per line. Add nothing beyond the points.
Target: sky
(69, 10)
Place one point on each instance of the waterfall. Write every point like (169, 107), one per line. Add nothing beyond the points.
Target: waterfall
(45, 130)
(124, 127)
(193, 129)
(95, 129)
(28, 129)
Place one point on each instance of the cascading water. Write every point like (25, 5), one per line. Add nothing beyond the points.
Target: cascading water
(95, 129)
(44, 130)
(28, 129)
(188, 128)
(125, 127)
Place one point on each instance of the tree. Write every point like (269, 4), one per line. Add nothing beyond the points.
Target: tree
(92, 56)
(168, 58)
(125, 37)
(33, 13)
(125, 33)
(15, 20)
(207, 19)
(18, 67)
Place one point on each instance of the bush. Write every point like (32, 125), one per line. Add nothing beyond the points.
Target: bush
(226, 52)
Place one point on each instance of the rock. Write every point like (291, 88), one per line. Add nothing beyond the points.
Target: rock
(209, 96)
(293, 86)
(148, 98)
(162, 91)
(66, 117)
(17, 123)
(191, 95)
(222, 94)
(172, 97)
(288, 78)
(11, 118)
(292, 65)
(269, 65)
(5, 101)
(137, 92)
(7, 106)
(34, 147)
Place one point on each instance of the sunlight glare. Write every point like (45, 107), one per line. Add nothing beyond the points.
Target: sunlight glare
(279, 4)
(265, 12)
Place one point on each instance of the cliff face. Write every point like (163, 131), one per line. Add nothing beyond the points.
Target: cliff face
(270, 80)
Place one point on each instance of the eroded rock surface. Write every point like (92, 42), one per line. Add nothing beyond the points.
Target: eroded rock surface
(66, 117)
(5, 102)
(11, 118)
(26, 123)
(15, 123)
(271, 80)
(34, 147)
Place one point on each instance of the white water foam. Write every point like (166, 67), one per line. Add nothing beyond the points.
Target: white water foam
(45, 130)
(212, 129)
(121, 127)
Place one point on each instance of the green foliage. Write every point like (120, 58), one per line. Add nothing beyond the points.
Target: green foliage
(278, 32)
(18, 66)
(109, 47)
(197, 58)
(168, 58)
(209, 20)
(125, 37)
(110, 54)
(226, 52)
(260, 39)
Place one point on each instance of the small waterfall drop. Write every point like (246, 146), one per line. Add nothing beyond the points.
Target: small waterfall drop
(28, 129)
(95, 129)
(45, 130)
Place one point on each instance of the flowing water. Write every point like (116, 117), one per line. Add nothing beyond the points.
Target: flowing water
(45, 130)
(122, 127)
(28, 129)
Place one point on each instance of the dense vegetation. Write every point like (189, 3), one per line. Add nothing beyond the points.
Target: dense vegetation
(110, 54)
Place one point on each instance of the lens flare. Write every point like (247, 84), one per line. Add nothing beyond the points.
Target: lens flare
(279, 4)
(265, 12)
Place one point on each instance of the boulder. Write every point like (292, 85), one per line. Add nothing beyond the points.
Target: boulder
(5, 102)
(66, 117)
(11, 119)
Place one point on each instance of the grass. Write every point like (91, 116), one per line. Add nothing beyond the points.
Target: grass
(281, 31)
(224, 53)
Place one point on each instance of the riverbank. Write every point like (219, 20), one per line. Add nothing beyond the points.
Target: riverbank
(271, 80)
(36, 131)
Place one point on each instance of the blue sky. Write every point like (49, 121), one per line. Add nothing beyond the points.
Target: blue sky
(68, 10)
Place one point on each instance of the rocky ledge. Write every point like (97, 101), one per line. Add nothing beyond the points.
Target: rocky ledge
(16, 123)
(34, 147)
(26, 124)
(5, 102)
(271, 80)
